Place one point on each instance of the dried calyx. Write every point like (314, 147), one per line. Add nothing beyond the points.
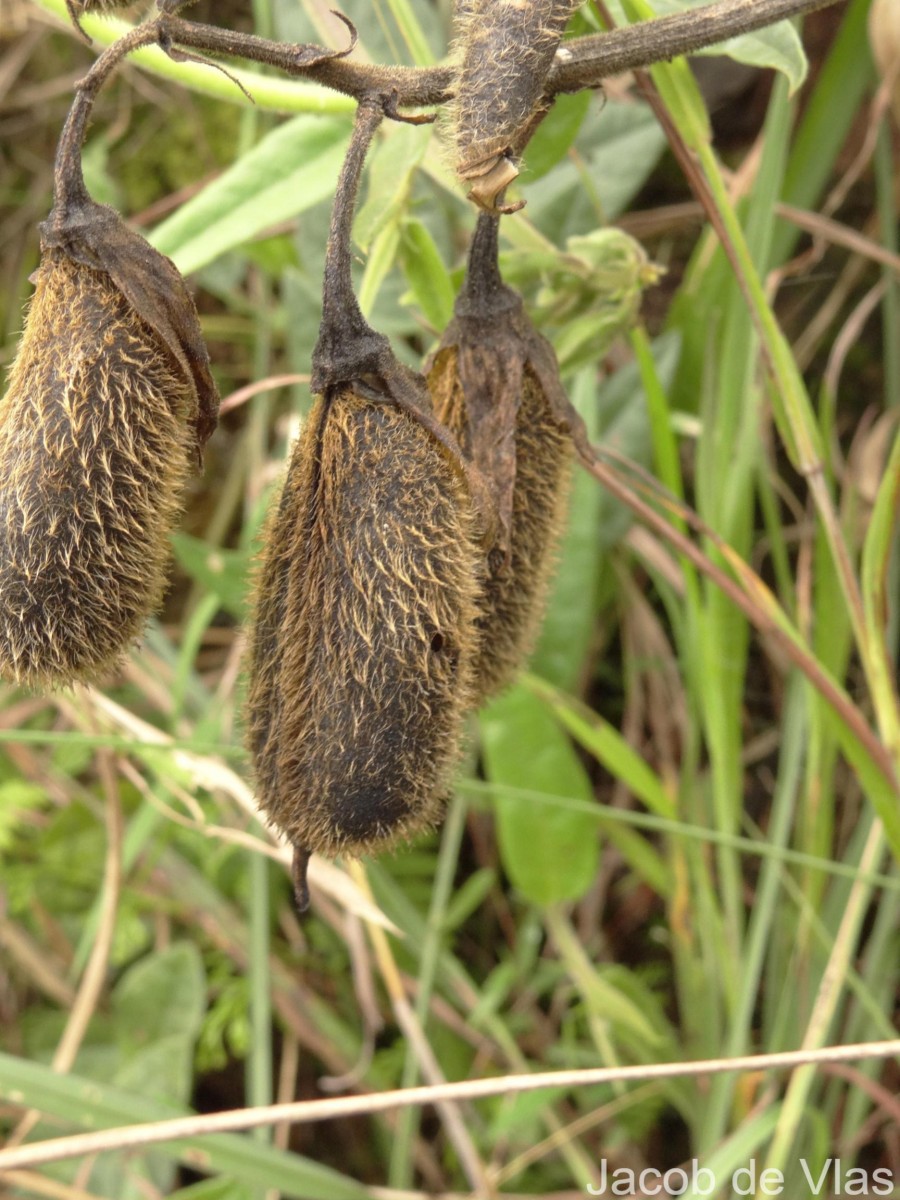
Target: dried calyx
(508, 47)
(495, 384)
(362, 652)
(109, 404)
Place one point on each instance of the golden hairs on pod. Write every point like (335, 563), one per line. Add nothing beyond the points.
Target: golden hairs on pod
(362, 652)
(507, 49)
(79, 7)
(110, 400)
(495, 384)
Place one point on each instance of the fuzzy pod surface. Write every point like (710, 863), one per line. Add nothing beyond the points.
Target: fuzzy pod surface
(495, 384)
(99, 6)
(507, 49)
(109, 402)
(104, 8)
(361, 662)
(362, 651)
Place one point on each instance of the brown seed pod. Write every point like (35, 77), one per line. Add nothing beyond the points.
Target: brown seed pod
(495, 385)
(110, 399)
(362, 651)
(507, 51)
(79, 7)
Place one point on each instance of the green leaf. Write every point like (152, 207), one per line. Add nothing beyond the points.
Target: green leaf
(777, 46)
(625, 426)
(161, 996)
(618, 146)
(556, 133)
(412, 32)
(219, 571)
(467, 898)
(429, 279)
(877, 593)
(568, 627)
(89, 1104)
(520, 1117)
(550, 855)
(378, 265)
(17, 798)
(607, 745)
(215, 1189)
(389, 172)
(290, 170)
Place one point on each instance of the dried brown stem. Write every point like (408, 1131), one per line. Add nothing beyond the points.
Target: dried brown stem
(581, 63)
(345, 336)
(307, 1111)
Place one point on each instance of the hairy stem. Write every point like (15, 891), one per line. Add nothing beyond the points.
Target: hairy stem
(68, 180)
(581, 63)
(589, 60)
(345, 336)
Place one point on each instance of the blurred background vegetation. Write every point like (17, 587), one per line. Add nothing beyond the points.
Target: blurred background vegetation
(664, 844)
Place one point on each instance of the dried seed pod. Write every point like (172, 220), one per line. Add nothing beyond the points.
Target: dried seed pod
(110, 399)
(79, 7)
(495, 385)
(507, 52)
(362, 651)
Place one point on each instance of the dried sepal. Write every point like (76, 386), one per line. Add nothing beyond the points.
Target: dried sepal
(95, 236)
(495, 384)
(363, 647)
(507, 49)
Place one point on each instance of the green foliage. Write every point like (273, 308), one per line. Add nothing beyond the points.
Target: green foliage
(551, 855)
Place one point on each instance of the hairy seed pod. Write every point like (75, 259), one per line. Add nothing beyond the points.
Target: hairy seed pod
(80, 7)
(507, 49)
(495, 385)
(110, 400)
(367, 613)
(362, 651)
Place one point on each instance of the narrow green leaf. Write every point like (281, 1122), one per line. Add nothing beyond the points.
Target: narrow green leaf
(572, 608)
(290, 170)
(734, 1160)
(378, 266)
(556, 133)
(270, 93)
(428, 278)
(388, 179)
(412, 32)
(220, 571)
(876, 561)
(88, 1104)
(607, 745)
